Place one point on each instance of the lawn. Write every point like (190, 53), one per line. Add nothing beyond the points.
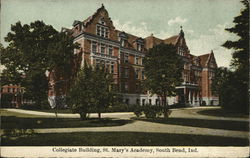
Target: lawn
(12, 122)
(203, 123)
(222, 113)
(122, 139)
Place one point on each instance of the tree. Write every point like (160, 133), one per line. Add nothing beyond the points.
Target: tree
(91, 91)
(163, 69)
(240, 60)
(34, 49)
(238, 79)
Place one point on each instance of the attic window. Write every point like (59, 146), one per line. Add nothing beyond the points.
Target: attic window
(101, 21)
(181, 51)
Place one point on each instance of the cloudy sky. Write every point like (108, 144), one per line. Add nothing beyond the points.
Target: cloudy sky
(203, 21)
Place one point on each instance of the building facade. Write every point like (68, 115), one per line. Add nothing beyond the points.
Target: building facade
(12, 96)
(122, 55)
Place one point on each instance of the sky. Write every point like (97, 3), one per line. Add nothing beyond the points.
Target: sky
(203, 21)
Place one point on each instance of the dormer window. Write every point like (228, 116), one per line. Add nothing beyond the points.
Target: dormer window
(139, 47)
(139, 44)
(181, 51)
(122, 42)
(123, 37)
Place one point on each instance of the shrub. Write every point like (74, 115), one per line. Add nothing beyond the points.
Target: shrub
(153, 111)
(138, 109)
(119, 107)
(177, 105)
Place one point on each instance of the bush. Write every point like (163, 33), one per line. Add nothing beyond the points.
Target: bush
(151, 111)
(120, 107)
(177, 105)
(138, 109)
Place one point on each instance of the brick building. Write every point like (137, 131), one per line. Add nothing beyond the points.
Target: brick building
(15, 92)
(122, 54)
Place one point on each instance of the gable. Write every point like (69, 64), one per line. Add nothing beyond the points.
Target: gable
(211, 61)
(100, 18)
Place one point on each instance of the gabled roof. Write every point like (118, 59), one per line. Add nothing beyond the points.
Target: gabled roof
(151, 41)
(205, 59)
(90, 18)
(172, 40)
(76, 22)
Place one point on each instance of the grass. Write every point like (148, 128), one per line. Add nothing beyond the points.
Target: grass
(203, 123)
(122, 139)
(222, 113)
(62, 111)
(12, 122)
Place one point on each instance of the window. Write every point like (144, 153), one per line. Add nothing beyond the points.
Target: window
(150, 101)
(137, 88)
(97, 62)
(142, 75)
(102, 63)
(122, 42)
(98, 30)
(156, 101)
(102, 31)
(107, 67)
(139, 47)
(187, 66)
(181, 51)
(126, 87)
(136, 60)
(127, 101)
(110, 50)
(101, 21)
(143, 101)
(112, 68)
(137, 73)
(126, 58)
(126, 73)
(94, 47)
(138, 101)
(185, 78)
(211, 74)
(103, 48)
